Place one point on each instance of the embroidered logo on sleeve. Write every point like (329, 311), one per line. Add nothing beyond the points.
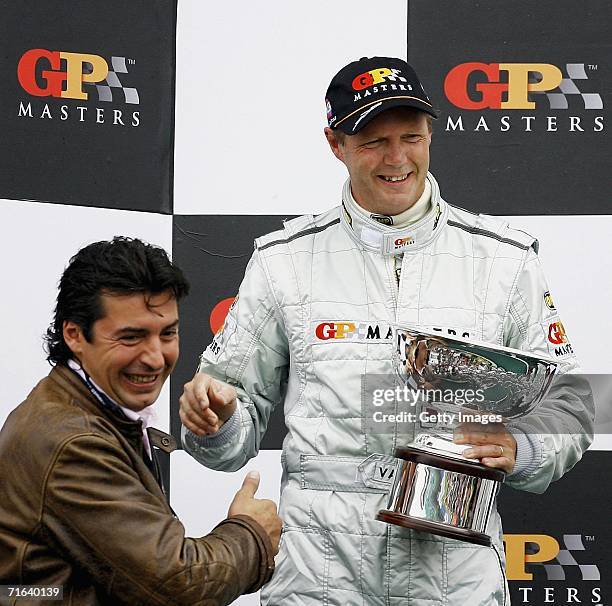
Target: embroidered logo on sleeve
(558, 343)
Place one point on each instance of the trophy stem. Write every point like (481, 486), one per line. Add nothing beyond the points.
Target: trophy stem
(442, 495)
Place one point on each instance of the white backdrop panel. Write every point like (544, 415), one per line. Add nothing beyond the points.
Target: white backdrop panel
(36, 242)
(576, 255)
(250, 111)
(201, 497)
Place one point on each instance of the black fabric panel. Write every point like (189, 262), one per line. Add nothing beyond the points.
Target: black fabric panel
(518, 172)
(577, 504)
(213, 251)
(54, 156)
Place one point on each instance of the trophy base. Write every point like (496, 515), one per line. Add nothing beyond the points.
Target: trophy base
(442, 495)
(443, 530)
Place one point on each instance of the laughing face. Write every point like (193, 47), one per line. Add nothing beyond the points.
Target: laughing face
(133, 347)
(387, 160)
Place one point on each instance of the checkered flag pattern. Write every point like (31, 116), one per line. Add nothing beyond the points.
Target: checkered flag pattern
(105, 91)
(565, 558)
(568, 87)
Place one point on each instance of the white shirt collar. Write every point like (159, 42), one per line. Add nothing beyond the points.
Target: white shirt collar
(411, 215)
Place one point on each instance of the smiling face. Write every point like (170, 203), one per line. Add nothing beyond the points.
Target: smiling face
(133, 349)
(387, 160)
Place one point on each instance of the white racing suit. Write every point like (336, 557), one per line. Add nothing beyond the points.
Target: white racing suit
(311, 319)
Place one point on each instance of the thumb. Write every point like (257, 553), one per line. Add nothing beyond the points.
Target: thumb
(222, 393)
(250, 484)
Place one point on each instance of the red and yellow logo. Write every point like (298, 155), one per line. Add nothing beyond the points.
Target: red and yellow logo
(54, 77)
(403, 242)
(352, 331)
(377, 76)
(334, 330)
(489, 94)
(556, 333)
(517, 556)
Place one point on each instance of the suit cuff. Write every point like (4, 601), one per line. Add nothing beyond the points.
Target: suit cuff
(528, 454)
(226, 434)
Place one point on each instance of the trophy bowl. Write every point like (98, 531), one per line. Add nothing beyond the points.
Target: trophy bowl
(436, 489)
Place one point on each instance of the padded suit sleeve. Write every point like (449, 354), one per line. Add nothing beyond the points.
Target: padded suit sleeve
(560, 429)
(250, 352)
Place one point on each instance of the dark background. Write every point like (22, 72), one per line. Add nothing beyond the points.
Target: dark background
(213, 251)
(578, 503)
(84, 163)
(516, 172)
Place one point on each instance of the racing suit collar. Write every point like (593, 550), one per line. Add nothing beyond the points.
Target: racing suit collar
(390, 240)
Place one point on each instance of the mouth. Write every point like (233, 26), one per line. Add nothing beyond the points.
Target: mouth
(393, 178)
(141, 380)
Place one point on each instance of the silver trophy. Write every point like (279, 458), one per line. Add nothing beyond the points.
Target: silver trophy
(436, 489)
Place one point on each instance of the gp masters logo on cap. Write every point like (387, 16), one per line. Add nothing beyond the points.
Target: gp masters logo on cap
(375, 81)
(378, 76)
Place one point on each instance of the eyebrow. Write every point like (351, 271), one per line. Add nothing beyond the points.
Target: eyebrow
(374, 138)
(142, 331)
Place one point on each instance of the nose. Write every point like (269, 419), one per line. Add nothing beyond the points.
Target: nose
(152, 354)
(394, 153)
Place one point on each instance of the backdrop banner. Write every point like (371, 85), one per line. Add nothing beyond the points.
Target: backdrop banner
(558, 543)
(87, 108)
(525, 91)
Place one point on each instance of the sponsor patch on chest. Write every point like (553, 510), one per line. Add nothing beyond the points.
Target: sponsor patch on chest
(334, 331)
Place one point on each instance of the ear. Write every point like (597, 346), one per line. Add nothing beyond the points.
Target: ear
(334, 144)
(73, 336)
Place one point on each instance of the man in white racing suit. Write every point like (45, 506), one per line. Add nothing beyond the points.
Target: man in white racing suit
(313, 317)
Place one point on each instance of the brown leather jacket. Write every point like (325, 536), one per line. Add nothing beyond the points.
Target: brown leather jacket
(80, 508)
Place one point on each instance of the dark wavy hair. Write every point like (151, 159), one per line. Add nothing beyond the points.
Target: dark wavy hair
(122, 266)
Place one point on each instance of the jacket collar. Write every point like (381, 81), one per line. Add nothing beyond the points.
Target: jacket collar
(390, 240)
(73, 384)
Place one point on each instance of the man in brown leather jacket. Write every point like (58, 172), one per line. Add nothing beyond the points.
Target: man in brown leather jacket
(82, 504)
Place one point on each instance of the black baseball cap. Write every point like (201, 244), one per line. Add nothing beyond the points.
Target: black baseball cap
(365, 88)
